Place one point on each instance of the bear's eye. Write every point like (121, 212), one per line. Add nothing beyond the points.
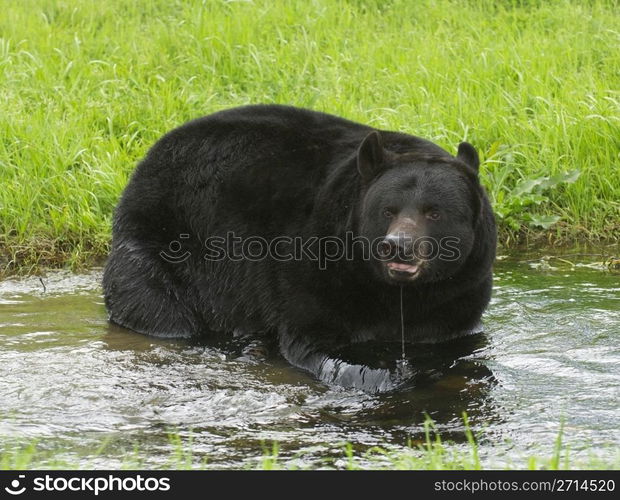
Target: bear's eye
(433, 215)
(388, 213)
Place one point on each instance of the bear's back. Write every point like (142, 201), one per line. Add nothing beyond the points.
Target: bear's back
(261, 165)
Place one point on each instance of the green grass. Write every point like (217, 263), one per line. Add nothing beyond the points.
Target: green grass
(87, 86)
(429, 453)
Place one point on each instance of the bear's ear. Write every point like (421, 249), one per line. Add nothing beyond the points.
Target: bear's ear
(468, 155)
(370, 156)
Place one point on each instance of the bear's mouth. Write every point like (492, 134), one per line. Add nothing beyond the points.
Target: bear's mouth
(402, 271)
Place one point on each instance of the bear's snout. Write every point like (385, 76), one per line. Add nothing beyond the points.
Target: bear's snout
(397, 246)
(398, 254)
(399, 242)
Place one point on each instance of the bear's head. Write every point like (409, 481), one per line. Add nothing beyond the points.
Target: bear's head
(419, 211)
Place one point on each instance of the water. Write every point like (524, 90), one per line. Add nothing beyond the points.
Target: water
(90, 393)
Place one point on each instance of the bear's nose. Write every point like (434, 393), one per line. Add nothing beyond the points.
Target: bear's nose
(396, 245)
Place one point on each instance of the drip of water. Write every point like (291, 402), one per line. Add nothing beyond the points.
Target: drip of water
(402, 365)
(402, 325)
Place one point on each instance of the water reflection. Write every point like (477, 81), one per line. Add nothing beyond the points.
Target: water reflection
(449, 379)
(72, 380)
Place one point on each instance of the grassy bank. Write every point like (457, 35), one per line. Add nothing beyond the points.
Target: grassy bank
(87, 86)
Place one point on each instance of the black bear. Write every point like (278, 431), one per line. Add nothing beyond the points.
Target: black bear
(303, 227)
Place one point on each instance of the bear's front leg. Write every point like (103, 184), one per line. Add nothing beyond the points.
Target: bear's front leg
(305, 352)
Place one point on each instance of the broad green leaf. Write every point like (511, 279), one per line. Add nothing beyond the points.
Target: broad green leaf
(544, 221)
(526, 186)
(561, 178)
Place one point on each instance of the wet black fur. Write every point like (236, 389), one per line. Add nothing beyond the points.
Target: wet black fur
(275, 170)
